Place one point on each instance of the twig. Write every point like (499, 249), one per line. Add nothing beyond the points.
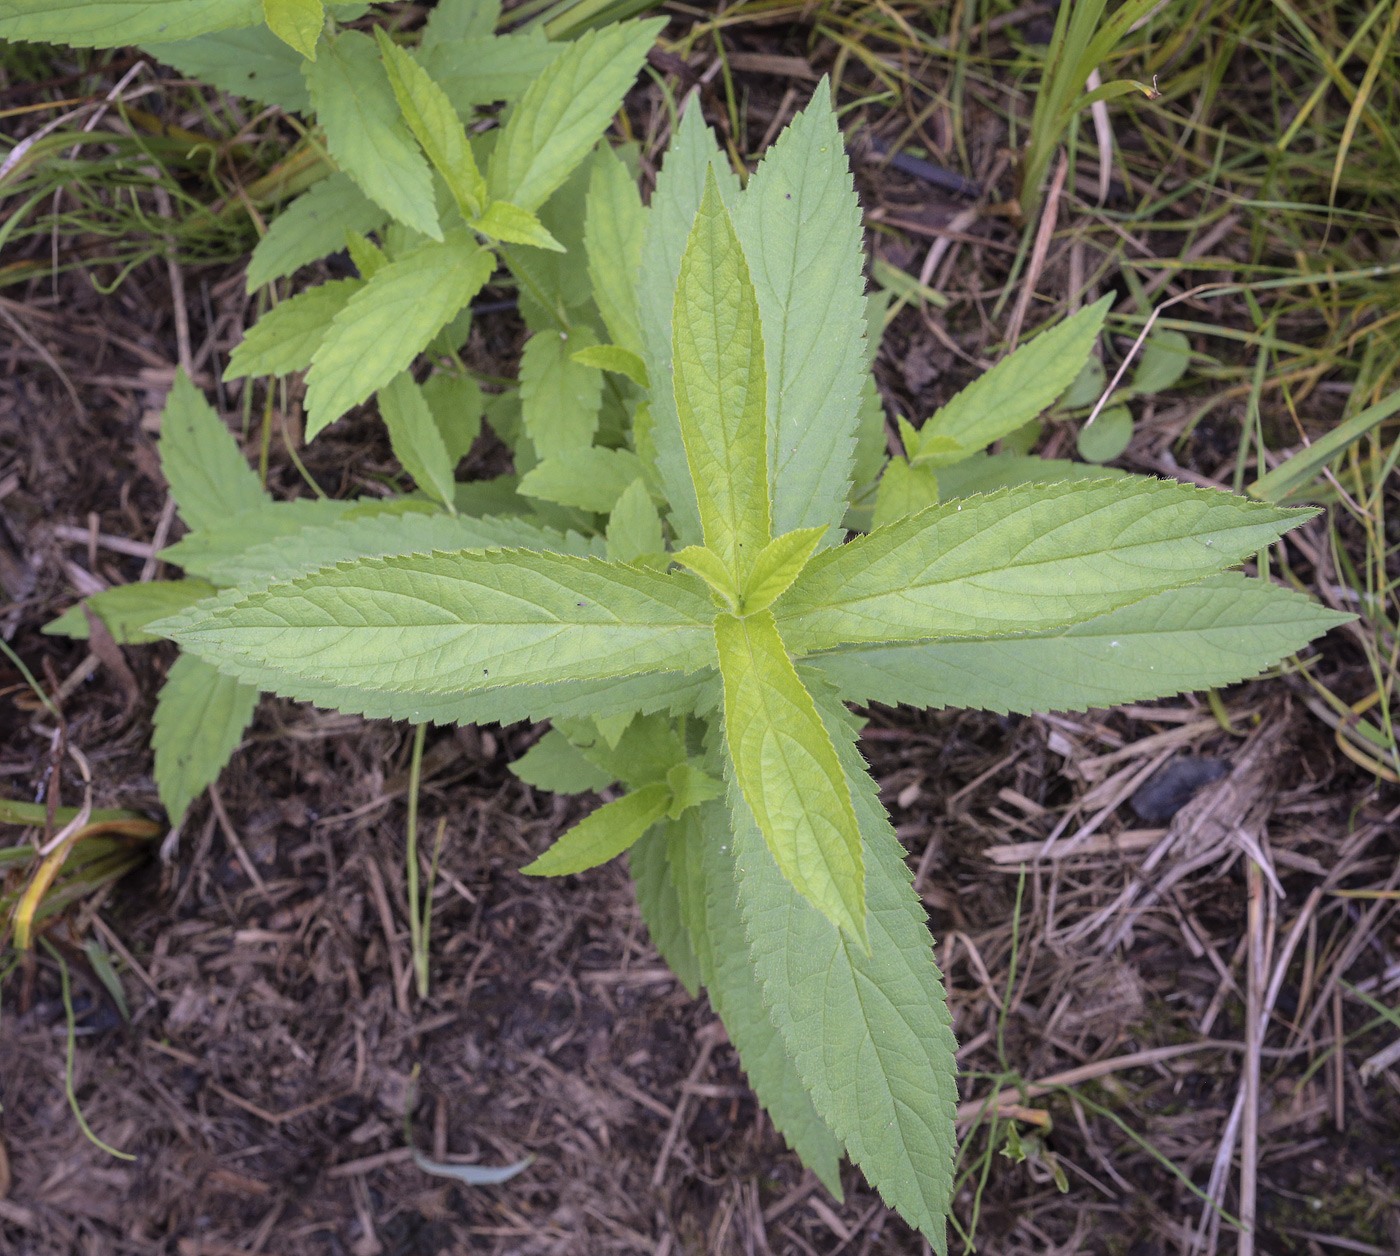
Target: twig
(231, 836)
(1043, 234)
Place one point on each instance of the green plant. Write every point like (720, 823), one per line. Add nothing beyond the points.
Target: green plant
(695, 392)
(736, 415)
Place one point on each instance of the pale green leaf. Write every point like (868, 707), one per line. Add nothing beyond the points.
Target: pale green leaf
(249, 61)
(633, 748)
(690, 787)
(504, 221)
(614, 358)
(868, 1032)
(450, 21)
(1223, 630)
(560, 399)
(1165, 357)
(1020, 386)
(209, 478)
(614, 228)
(658, 691)
(435, 125)
(366, 135)
(297, 23)
(461, 621)
(589, 479)
(223, 538)
(483, 69)
(604, 834)
(707, 862)
(114, 23)
(720, 388)
(199, 721)
(312, 226)
(308, 545)
(414, 436)
(786, 767)
(1022, 559)
(1107, 436)
(386, 323)
(903, 490)
(286, 338)
(800, 226)
(660, 908)
(710, 567)
(126, 609)
(565, 111)
(457, 406)
(779, 563)
(634, 527)
(670, 217)
(555, 764)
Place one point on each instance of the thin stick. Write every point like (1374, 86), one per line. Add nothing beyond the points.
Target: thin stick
(416, 940)
(1044, 232)
(231, 836)
(1253, 1035)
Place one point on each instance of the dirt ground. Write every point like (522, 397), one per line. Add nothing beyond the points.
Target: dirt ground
(260, 1086)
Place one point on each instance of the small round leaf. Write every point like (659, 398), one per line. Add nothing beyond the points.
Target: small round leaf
(1107, 436)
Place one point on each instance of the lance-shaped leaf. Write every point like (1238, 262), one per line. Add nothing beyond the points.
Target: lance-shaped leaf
(779, 563)
(869, 1032)
(208, 475)
(650, 691)
(199, 721)
(670, 218)
(702, 866)
(604, 834)
(1022, 559)
(504, 221)
(387, 323)
(565, 110)
(721, 393)
(365, 132)
(126, 609)
(113, 23)
(286, 338)
(787, 768)
(414, 436)
(312, 226)
(435, 125)
(614, 227)
(1220, 631)
(800, 225)
(1015, 390)
(443, 622)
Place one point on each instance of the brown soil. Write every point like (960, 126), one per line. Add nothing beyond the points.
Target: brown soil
(261, 1083)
